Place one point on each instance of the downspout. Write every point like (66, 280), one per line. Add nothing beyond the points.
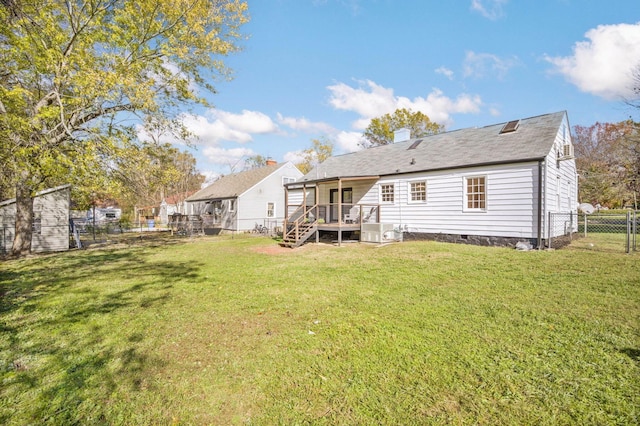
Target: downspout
(286, 209)
(539, 247)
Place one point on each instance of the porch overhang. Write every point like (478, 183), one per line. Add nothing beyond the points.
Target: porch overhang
(314, 182)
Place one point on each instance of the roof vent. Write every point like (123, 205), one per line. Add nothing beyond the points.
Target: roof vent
(510, 127)
(415, 144)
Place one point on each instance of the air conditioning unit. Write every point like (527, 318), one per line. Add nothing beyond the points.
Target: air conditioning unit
(379, 233)
(566, 153)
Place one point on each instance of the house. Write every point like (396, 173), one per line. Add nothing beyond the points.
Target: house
(240, 201)
(51, 212)
(173, 205)
(494, 185)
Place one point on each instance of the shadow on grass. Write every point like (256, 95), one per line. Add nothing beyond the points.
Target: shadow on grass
(634, 354)
(77, 328)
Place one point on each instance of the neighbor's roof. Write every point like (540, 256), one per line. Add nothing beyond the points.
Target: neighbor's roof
(233, 185)
(532, 140)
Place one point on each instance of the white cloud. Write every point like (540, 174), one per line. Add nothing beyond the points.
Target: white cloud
(371, 100)
(217, 126)
(233, 158)
(490, 9)
(294, 156)
(481, 65)
(349, 141)
(209, 177)
(603, 66)
(305, 125)
(445, 71)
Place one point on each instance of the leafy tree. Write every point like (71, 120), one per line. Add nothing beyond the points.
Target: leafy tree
(320, 150)
(151, 172)
(608, 162)
(74, 75)
(255, 161)
(380, 130)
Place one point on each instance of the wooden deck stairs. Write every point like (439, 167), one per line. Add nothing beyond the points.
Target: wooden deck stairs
(299, 228)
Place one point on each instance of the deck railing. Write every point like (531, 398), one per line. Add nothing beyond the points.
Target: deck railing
(339, 214)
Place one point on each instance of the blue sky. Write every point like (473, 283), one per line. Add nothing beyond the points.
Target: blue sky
(324, 68)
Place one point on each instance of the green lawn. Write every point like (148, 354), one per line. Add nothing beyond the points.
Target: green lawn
(233, 331)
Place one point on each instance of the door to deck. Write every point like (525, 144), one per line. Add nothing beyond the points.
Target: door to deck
(347, 202)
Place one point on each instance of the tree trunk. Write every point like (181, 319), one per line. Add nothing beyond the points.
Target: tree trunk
(24, 220)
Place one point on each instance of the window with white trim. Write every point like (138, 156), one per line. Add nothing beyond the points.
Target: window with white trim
(271, 209)
(232, 205)
(286, 180)
(475, 193)
(418, 192)
(387, 193)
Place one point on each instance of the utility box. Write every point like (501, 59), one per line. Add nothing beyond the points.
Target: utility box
(379, 233)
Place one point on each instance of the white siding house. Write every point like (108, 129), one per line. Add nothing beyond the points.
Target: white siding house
(239, 201)
(51, 211)
(492, 185)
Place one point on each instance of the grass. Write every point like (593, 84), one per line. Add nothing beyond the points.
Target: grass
(234, 331)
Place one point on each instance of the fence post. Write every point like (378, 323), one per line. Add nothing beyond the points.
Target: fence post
(585, 224)
(550, 225)
(628, 232)
(635, 229)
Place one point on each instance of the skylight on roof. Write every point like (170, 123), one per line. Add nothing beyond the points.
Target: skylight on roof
(415, 144)
(510, 126)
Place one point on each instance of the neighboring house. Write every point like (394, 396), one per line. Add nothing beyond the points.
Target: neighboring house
(173, 204)
(51, 211)
(239, 201)
(493, 185)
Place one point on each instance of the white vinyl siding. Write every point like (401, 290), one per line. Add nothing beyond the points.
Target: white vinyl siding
(512, 212)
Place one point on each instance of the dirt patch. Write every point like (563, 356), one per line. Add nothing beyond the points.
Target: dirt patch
(273, 249)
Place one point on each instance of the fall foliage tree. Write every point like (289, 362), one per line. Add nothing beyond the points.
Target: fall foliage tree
(320, 150)
(380, 130)
(608, 162)
(74, 75)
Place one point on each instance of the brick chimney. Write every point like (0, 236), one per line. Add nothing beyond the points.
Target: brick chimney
(271, 162)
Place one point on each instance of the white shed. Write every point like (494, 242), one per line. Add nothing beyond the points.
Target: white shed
(51, 210)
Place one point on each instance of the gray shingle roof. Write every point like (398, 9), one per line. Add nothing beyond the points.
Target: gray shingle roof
(235, 184)
(532, 140)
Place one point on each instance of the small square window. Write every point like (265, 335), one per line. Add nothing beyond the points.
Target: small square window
(387, 193)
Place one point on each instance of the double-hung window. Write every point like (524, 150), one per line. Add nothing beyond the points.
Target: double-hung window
(476, 193)
(387, 193)
(271, 209)
(418, 192)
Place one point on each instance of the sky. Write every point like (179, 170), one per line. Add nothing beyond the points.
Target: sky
(312, 69)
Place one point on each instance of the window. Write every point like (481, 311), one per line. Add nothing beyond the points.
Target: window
(387, 193)
(271, 209)
(476, 193)
(232, 205)
(36, 226)
(418, 192)
(286, 180)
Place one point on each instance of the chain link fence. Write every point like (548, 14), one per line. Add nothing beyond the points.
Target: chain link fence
(610, 231)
